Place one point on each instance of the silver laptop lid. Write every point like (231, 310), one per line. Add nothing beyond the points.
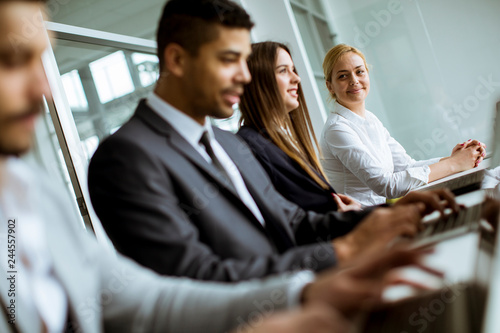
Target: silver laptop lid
(492, 176)
(496, 139)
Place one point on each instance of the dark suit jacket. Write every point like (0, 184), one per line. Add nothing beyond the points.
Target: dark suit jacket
(287, 176)
(164, 206)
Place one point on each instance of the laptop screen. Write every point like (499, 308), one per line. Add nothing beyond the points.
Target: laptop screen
(492, 176)
(496, 139)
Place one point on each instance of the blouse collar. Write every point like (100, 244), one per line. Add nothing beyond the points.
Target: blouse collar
(348, 114)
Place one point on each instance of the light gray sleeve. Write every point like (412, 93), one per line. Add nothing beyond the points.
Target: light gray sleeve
(138, 300)
(116, 294)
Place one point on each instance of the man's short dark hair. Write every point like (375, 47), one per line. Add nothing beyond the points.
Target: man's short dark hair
(191, 23)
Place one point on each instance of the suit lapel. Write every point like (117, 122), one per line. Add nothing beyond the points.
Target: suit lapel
(183, 147)
(240, 158)
(177, 142)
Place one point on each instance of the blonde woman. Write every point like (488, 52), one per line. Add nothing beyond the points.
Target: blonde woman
(360, 158)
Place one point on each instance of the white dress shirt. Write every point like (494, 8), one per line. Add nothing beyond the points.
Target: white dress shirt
(37, 287)
(362, 160)
(191, 131)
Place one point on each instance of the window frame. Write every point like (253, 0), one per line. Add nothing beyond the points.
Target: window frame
(61, 113)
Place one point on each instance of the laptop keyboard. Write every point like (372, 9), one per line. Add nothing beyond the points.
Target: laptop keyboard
(450, 225)
(473, 178)
(459, 185)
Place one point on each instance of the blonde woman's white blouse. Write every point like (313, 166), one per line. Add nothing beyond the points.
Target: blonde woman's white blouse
(362, 160)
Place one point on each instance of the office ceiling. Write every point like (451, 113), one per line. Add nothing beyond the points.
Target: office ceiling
(126, 17)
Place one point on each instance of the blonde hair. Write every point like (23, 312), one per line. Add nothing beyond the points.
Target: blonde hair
(333, 56)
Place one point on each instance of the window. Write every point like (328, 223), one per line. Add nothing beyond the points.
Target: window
(106, 83)
(74, 91)
(111, 77)
(316, 35)
(229, 124)
(147, 67)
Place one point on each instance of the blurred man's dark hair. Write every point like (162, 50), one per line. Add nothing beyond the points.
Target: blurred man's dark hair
(192, 23)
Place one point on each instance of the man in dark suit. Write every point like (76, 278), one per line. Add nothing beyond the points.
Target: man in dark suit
(183, 198)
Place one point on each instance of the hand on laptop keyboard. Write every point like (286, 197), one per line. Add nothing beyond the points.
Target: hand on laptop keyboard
(431, 200)
(377, 230)
(466, 219)
(360, 285)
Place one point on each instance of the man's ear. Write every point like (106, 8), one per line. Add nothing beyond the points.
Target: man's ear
(175, 57)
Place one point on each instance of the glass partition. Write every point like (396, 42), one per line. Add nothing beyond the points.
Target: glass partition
(435, 74)
(47, 155)
(103, 86)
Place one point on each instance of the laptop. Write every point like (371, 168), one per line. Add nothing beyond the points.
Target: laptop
(468, 301)
(461, 182)
(485, 182)
(464, 252)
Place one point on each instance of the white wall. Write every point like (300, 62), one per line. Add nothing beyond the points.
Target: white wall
(431, 64)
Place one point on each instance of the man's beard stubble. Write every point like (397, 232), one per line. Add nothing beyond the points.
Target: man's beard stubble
(8, 147)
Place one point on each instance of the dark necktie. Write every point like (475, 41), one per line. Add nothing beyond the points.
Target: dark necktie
(274, 229)
(205, 141)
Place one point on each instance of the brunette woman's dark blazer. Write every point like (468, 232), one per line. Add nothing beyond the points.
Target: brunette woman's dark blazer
(287, 176)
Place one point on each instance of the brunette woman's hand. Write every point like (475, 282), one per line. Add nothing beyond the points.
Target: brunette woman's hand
(345, 203)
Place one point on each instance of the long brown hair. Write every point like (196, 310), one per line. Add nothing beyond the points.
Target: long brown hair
(263, 108)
